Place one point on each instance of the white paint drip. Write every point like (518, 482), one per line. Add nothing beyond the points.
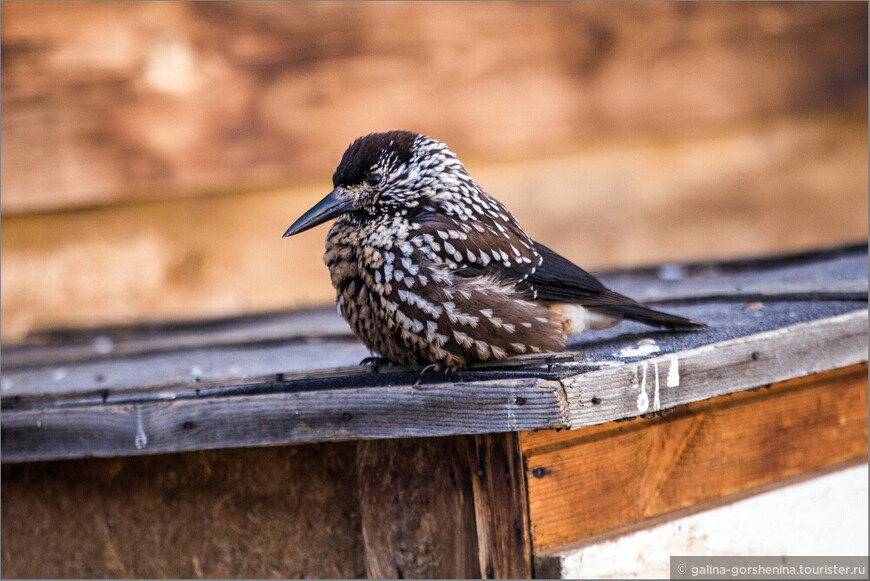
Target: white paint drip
(512, 418)
(674, 372)
(5, 384)
(642, 398)
(141, 439)
(58, 374)
(657, 403)
(644, 347)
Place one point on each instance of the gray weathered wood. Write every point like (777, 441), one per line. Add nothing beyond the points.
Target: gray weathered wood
(309, 388)
(63, 346)
(294, 417)
(664, 382)
(431, 409)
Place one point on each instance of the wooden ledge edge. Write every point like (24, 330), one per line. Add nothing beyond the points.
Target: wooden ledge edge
(654, 385)
(400, 411)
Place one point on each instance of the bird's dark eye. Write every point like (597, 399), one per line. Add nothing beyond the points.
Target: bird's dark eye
(374, 179)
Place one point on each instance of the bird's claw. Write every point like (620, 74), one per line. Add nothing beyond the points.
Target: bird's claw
(375, 363)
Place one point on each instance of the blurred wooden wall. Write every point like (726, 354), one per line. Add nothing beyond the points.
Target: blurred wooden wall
(153, 153)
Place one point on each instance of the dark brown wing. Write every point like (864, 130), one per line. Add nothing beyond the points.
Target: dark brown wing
(558, 280)
(499, 247)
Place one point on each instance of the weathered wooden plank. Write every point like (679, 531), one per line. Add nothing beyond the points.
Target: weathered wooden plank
(149, 262)
(278, 418)
(187, 358)
(159, 423)
(230, 389)
(417, 509)
(500, 506)
(661, 383)
(617, 477)
(60, 346)
(821, 515)
(285, 512)
(838, 273)
(100, 105)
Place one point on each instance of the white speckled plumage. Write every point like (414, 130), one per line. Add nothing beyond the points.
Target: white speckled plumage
(428, 268)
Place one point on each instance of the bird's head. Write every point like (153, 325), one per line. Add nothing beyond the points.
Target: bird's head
(384, 174)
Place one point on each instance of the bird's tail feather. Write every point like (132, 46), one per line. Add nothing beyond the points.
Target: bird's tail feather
(638, 312)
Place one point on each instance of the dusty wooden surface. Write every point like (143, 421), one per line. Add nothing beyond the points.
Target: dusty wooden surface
(603, 480)
(101, 104)
(309, 389)
(282, 512)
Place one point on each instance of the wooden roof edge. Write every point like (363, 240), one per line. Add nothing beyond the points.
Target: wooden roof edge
(642, 387)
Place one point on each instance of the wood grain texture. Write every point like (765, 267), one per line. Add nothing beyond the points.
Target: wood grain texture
(500, 506)
(277, 418)
(613, 478)
(772, 187)
(816, 513)
(165, 421)
(661, 383)
(417, 508)
(281, 512)
(101, 104)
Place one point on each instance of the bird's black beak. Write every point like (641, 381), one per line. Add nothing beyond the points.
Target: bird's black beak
(326, 209)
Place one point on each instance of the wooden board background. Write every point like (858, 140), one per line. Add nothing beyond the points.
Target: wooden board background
(153, 153)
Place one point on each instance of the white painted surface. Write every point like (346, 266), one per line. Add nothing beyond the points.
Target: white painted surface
(826, 515)
(644, 348)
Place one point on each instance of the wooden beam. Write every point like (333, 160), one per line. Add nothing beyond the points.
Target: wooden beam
(293, 417)
(603, 480)
(445, 508)
(664, 382)
(417, 508)
(500, 506)
(817, 514)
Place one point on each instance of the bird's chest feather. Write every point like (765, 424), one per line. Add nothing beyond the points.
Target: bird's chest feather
(396, 285)
(370, 273)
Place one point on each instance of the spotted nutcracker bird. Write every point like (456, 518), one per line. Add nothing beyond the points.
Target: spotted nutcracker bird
(428, 268)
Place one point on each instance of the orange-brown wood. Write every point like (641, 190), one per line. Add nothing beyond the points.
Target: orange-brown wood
(214, 255)
(593, 480)
(109, 101)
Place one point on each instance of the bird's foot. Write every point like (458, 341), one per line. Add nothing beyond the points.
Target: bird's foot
(375, 363)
